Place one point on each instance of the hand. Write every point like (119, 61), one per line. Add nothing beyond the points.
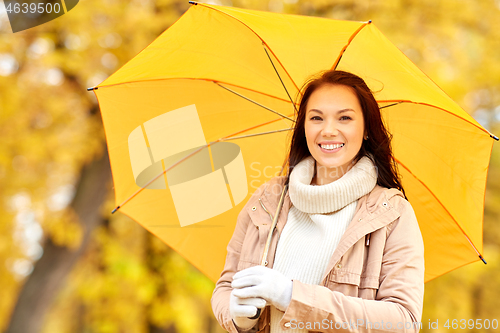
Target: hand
(265, 283)
(242, 309)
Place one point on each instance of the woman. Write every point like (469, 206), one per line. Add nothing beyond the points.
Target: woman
(347, 253)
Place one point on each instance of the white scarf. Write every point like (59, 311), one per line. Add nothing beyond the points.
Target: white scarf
(321, 199)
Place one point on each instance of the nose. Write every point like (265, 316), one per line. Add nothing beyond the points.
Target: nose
(329, 129)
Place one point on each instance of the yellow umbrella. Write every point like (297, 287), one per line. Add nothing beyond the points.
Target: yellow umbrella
(222, 72)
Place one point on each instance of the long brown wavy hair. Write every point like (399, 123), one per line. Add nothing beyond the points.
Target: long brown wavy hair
(377, 147)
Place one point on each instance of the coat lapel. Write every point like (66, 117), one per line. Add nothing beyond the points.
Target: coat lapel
(261, 219)
(372, 213)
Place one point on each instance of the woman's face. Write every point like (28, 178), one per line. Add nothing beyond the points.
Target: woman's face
(334, 128)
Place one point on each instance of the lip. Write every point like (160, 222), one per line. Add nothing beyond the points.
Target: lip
(329, 142)
(331, 151)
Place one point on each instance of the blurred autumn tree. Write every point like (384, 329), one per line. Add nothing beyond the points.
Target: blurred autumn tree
(55, 195)
(55, 189)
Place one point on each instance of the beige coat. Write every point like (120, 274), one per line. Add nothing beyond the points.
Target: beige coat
(374, 281)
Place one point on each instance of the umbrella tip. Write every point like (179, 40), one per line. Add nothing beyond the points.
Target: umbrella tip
(193, 3)
(370, 21)
(92, 88)
(114, 210)
(494, 137)
(481, 257)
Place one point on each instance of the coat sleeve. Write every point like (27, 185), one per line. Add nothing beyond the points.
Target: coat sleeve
(222, 291)
(398, 303)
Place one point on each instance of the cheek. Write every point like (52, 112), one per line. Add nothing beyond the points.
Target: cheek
(358, 133)
(309, 140)
(309, 134)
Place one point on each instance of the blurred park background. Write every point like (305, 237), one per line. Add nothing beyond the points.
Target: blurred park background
(68, 265)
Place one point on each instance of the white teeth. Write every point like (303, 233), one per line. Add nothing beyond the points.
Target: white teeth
(330, 147)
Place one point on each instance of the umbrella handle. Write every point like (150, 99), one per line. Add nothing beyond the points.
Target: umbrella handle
(264, 261)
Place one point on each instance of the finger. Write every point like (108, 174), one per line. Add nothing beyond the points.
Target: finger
(246, 281)
(255, 270)
(254, 301)
(249, 292)
(244, 311)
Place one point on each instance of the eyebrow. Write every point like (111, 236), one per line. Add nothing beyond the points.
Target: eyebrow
(340, 111)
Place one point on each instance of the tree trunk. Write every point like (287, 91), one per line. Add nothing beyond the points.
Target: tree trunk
(50, 272)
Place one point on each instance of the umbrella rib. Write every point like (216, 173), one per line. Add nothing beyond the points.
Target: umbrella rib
(279, 76)
(437, 107)
(256, 34)
(256, 103)
(195, 152)
(185, 78)
(386, 106)
(256, 134)
(446, 210)
(336, 63)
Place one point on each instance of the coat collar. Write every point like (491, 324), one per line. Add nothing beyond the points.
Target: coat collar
(372, 203)
(269, 197)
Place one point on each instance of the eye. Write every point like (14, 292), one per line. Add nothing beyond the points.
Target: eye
(345, 118)
(316, 118)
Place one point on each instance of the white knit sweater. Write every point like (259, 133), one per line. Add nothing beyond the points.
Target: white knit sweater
(316, 222)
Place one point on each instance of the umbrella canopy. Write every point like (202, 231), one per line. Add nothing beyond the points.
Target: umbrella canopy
(222, 72)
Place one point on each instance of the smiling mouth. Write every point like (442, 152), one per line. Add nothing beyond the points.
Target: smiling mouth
(332, 147)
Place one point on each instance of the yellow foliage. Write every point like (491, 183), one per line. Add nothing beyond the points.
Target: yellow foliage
(64, 229)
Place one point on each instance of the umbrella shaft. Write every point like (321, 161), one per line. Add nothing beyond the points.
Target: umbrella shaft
(264, 261)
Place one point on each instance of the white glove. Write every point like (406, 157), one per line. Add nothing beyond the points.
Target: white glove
(263, 282)
(242, 309)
